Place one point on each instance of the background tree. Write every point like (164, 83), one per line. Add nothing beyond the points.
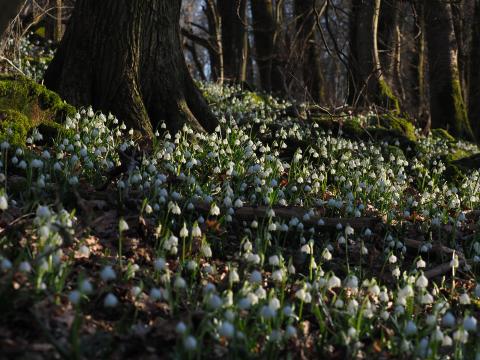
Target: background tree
(447, 106)
(126, 57)
(368, 81)
(9, 9)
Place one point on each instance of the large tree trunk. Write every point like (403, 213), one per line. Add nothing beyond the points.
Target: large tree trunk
(308, 48)
(474, 72)
(9, 9)
(368, 83)
(265, 31)
(234, 38)
(125, 56)
(447, 106)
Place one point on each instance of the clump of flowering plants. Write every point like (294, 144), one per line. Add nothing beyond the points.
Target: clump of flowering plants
(236, 243)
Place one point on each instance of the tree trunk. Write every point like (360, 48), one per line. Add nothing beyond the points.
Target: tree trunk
(308, 49)
(367, 82)
(10, 9)
(474, 72)
(265, 33)
(125, 57)
(447, 106)
(233, 15)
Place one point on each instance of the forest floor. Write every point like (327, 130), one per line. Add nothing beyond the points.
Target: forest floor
(275, 236)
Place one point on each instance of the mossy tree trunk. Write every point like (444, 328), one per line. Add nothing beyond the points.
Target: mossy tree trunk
(8, 10)
(125, 57)
(308, 48)
(368, 84)
(447, 106)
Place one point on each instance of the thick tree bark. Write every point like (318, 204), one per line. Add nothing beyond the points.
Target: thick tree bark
(265, 33)
(308, 48)
(9, 9)
(125, 57)
(474, 72)
(447, 106)
(234, 38)
(368, 84)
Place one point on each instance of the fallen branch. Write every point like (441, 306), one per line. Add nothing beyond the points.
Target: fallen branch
(249, 213)
(437, 249)
(441, 269)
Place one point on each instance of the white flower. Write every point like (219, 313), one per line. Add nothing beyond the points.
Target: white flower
(464, 299)
(107, 273)
(392, 259)
(448, 320)
(74, 297)
(86, 287)
(159, 264)
(255, 277)
(238, 203)
(206, 250)
(233, 276)
(290, 331)
(410, 328)
(196, 232)
(421, 264)
(122, 225)
(25, 267)
(3, 203)
(422, 282)
(274, 260)
(327, 255)
(181, 328)
(215, 210)
(190, 343)
(226, 329)
(184, 231)
(277, 276)
(110, 300)
(334, 282)
(180, 283)
(5, 264)
(470, 323)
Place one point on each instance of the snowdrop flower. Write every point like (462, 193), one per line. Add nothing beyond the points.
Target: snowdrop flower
(327, 255)
(421, 264)
(470, 323)
(110, 300)
(290, 332)
(333, 282)
(159, 264)
(184, 231)
(277, 276)
(74, 297)
(86, 287)
(190, 343)
(180, 283)
(226, 329)
(448, 320)
(461, 335)
(274, 260)
(107, 273)
(196, 232)
(25, 267)
(255, 277)
(122, 225)
(5, 264)
(214, 210)
(3, 203)
(410, 328)
(464, 299)
(206, 250)
(477, 290)
(422, 282)
(181, 328)
(233, 276)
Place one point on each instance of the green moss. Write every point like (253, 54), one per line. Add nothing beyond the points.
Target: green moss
(401, 126)
(461, 123)
(387, 97)
(26, 105)
(442, 134)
